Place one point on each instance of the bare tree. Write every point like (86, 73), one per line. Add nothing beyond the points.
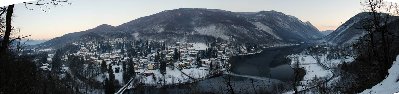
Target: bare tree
(296, 81)
(44, 5)
(379, 40)
(375, 52)
(7, 33)
(27, 76)
(253, 86)
(227, 80)
(7, 26)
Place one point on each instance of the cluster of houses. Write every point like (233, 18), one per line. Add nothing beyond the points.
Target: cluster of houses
(190, 55)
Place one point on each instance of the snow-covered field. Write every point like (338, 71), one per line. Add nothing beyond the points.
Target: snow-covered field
(316, 70)
(390, 84)
(174, 76)
(118, 76)
(312, 68)
(199, 46)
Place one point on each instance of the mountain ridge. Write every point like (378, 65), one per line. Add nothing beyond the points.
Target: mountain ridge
(350, 31)
(201, 25)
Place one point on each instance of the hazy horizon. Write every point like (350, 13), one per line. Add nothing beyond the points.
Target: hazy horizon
(84, 14)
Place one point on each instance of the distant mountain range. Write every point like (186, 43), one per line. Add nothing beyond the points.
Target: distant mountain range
(327, 32)
(202, 25)
(32, 42)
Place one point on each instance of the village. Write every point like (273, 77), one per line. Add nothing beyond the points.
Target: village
(154, 61)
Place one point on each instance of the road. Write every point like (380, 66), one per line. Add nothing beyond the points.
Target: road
(248, 76)
(133, 82)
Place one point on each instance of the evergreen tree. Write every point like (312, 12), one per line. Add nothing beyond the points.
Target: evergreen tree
(210, 67)
(198, 60)
(125, 72)
(130, 69)
(109, 83)
(176, 54)
(57, 63)
(90, 70)
(122, 49)
(103, 66)
(43, 58)
(162, 68)
(157, 57)
(107, 89)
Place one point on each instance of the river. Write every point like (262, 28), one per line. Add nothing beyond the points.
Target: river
(271, 63)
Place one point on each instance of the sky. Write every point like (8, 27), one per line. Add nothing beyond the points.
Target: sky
(81, 15)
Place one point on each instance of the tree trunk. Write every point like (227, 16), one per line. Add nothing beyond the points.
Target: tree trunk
(6, 38)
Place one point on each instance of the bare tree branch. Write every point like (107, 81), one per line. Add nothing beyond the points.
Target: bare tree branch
(44, 4)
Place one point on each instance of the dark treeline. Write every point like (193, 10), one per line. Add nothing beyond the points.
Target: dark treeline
(20, 74)
(375, 51)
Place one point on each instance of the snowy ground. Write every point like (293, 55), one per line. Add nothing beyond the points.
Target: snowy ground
(330, 63)
(333, 63)
(312, 68)
(199, 46)
(390, 84)
(173, 76)
(118, 76)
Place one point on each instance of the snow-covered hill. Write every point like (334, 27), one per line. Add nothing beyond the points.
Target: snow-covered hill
(201, 25)
(349, 32)
(316, 70)
(256, 27)
(390, 84)
(327, 32)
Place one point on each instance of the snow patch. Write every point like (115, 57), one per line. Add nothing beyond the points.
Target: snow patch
(212, 30)
(343, 28)
(136, 35)
(173, 76)
(390, 84)
(159, 29)
(199, 46)
(265, 28)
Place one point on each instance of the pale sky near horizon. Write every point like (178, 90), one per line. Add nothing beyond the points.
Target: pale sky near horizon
(86, 14)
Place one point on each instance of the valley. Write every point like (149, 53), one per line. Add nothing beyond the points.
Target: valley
(201, 56)
(220, 48)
